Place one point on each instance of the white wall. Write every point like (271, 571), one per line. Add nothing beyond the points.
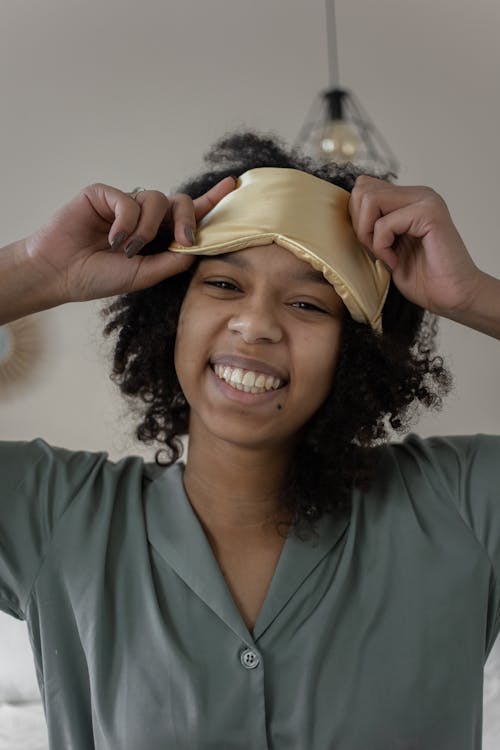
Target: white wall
(132, 93)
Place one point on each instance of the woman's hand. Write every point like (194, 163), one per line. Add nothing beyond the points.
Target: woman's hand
(410, 229)
(72, 253)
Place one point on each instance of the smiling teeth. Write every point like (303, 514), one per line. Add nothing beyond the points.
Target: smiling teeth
(247, 380)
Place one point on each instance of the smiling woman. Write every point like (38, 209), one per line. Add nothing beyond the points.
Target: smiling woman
(166, 607)
(343, 386)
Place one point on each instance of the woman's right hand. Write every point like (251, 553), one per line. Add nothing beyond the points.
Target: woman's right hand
(73, 252)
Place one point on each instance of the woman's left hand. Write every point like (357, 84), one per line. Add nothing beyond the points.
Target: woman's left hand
(411, 230)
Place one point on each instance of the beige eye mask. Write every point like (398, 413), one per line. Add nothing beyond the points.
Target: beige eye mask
(307, 216)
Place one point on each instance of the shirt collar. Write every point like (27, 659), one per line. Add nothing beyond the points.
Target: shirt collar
(178, 536)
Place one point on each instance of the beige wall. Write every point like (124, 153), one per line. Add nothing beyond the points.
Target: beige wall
(133, 93)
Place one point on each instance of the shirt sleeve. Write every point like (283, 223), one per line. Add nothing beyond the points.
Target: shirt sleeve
(467, 468)
(37, 483)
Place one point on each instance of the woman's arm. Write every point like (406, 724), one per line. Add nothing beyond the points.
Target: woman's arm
(483, 312)
(23, 290)
(76, 257)
(410, 229)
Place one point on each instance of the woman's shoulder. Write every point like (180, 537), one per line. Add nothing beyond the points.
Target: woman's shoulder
(31, 453)
(76, 495)
(435, 448)
(449, 459)
(39, 463)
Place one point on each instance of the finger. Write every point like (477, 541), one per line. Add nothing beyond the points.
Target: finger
(155, 268)
(153, 206)
(362, 220)
(115, 208)
(208, 200)
(372, 198)
(389, 229)
(186, 212)
(183, 219)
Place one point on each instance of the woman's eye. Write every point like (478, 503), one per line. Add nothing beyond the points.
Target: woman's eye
(307, 306)
(230, 287)
(221, 284)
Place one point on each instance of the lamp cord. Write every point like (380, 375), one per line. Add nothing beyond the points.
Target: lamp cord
(331, 34)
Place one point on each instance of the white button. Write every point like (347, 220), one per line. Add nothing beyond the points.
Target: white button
(249, 658)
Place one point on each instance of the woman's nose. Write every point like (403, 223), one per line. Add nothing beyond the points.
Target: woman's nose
(255, 323)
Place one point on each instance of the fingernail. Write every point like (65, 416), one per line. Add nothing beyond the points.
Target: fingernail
(188, 231)
(134, 247)
(117, 241)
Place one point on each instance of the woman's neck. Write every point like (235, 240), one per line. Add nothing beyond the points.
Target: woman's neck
(236, 490)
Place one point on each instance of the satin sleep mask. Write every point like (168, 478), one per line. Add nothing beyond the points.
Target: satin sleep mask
(306, 215)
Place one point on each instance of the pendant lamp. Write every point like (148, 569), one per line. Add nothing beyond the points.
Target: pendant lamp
(337, 129)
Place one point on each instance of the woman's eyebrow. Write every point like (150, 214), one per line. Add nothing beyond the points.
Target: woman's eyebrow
(308, 274)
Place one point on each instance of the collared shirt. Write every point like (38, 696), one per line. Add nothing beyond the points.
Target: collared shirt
(372, 636)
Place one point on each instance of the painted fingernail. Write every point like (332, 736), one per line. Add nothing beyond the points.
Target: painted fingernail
(188, 231)
(134, 247)
(117, 241)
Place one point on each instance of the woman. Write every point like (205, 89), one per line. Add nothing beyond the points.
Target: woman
(166, 607)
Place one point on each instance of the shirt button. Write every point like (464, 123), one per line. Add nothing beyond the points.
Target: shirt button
(249, 658)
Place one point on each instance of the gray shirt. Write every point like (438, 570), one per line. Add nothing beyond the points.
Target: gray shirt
(372, 637)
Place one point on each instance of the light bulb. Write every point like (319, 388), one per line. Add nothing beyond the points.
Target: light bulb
(339, 142)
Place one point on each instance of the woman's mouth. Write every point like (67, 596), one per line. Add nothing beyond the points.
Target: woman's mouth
(249, 381)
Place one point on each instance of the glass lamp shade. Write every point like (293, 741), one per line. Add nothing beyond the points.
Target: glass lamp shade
(338, 130)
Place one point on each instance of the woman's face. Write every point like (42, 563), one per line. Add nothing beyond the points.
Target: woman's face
(257, 320)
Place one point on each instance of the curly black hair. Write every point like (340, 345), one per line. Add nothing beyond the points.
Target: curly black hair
(381, 381)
